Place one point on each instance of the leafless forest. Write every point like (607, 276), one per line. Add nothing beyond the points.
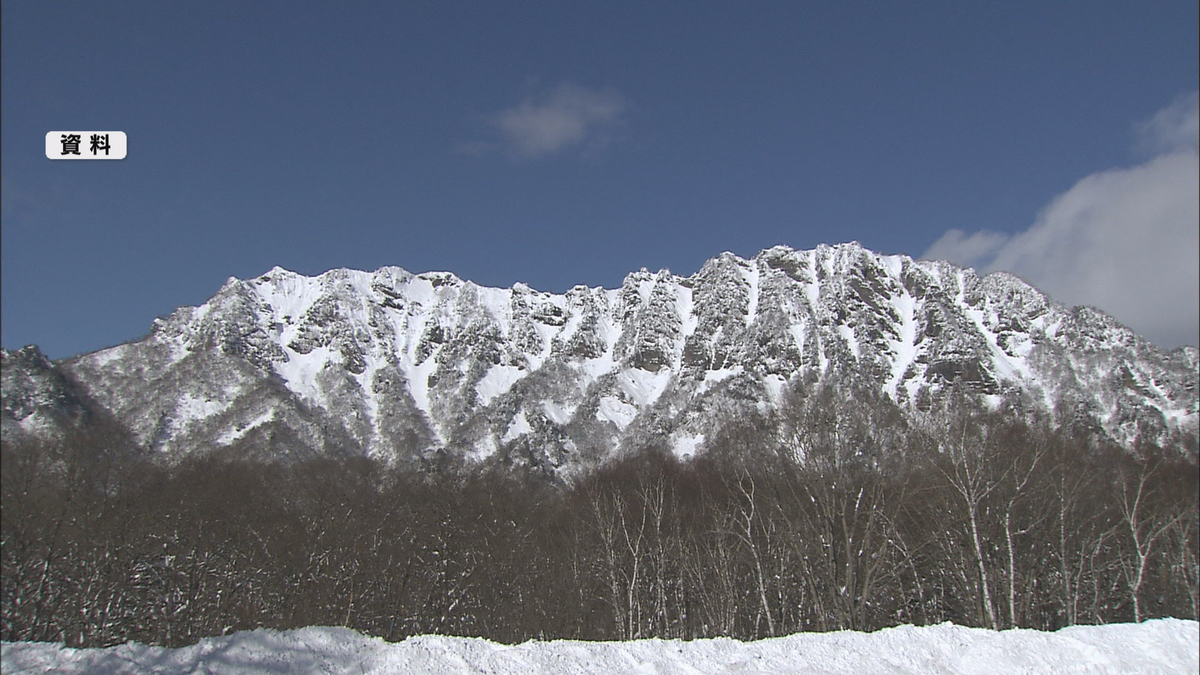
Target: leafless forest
(849, 517)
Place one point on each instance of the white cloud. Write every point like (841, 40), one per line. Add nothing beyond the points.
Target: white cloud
(566, 116)
(1171, 129)
(969, 250)
(1124, 240)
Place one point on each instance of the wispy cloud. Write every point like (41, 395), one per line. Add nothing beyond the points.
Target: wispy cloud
(565, 117)
(1173, 128)
(972, 250)
(1125, 240)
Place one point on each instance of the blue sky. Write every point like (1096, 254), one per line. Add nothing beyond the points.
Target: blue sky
(564, 143)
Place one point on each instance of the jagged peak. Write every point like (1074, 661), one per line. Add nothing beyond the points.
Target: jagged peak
(28, 353)
(1188, 354)
(341, 274)
(393, 271)
(636, 277)
(441, 278)
(277, 271)
(778, 249)
(852, 245)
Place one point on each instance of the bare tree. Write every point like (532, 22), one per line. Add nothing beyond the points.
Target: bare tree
(1145, 525)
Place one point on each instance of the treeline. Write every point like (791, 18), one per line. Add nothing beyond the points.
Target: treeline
(832, 520)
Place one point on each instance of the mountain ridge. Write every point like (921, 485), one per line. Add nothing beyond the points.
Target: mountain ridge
(403, 366)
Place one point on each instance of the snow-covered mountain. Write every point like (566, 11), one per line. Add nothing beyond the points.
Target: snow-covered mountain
(400, 366)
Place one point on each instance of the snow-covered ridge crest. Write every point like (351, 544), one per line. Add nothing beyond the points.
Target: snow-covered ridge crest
(400, 365)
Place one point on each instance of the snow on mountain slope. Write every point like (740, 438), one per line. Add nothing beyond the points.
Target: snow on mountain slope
(401, 366)
(1154, 647)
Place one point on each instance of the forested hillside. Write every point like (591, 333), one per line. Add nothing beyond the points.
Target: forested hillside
(847, 515)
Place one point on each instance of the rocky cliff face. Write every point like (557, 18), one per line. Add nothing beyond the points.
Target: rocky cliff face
(402, 366)
(37, 399)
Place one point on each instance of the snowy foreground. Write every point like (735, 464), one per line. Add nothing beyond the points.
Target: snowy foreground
(1160, 646)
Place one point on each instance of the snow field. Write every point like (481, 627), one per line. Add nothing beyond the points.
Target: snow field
(497, 381)
(643, 386)
(612, 409)
(686, 445)
(1158, 646)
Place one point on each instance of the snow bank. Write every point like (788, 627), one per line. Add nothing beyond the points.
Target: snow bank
(1160, 646)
